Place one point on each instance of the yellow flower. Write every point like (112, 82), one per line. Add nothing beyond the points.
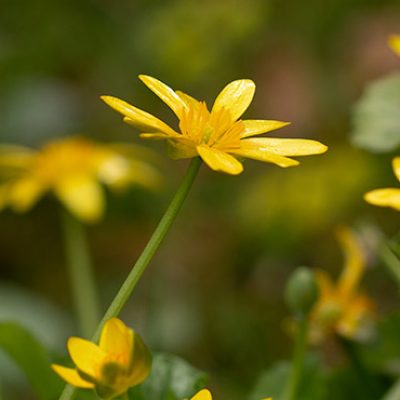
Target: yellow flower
(217, 136)
(389, 197)
(205, 394)
(341, 308)
(72, 169)
(394, 43)
(120, 361)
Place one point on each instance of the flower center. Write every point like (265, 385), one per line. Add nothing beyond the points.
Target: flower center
(216, 129)
(114, 369)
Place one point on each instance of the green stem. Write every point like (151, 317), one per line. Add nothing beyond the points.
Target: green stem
(298, 360)
(144, 259)
(392, 262)
(81, 275)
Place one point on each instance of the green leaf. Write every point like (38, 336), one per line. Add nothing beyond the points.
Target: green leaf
(32, 359)
(272, 382)
(171, 378)
(376, 116)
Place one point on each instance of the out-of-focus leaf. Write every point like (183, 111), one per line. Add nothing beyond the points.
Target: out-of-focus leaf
(273, 381)
(171, 378)
(376, 116)
(32, 358)
(36, 314)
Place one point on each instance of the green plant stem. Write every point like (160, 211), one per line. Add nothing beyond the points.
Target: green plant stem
(298, 360)
(144, 259)
(391, 261)
(80, 270)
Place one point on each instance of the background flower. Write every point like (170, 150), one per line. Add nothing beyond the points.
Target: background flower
(341, 307)
(72, 169)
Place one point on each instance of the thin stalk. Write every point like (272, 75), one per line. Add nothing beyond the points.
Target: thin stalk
(298, 360)
(144, 259)
(80, 270)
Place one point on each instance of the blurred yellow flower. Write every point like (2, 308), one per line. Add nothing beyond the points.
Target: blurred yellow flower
(205, 394)
(120, 361)
(394, 43)
(72, 169)
(389, 197)
(341, 308)
(217, 136)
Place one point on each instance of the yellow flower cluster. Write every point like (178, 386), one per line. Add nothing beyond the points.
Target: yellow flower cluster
(218, 136)
(72, 169)
(120, 361)
(341, 308)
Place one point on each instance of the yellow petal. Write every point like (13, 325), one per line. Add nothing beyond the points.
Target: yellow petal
(235, 97)
(252, 150)
(72, 377)
(396, 167)
(178, 150)
(15, 156)
(165, 93)
(389, 197)
(357, 314)
(136, 117)
(286, 147)
(143, 174)
(24, 193)
(254, 127)
(140, 365)
(82, 196)
(219, 160)
(86, 355)
(116, 337)
(354, 262)
(325, 284)
(163, 136)
(203, 394)
(394, 43)
(112, 168)
(154, 136)
(189, 100)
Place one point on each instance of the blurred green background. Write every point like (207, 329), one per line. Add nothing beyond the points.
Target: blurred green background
(213, 294)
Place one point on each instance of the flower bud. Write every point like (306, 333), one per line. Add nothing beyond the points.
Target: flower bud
(301, 291)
